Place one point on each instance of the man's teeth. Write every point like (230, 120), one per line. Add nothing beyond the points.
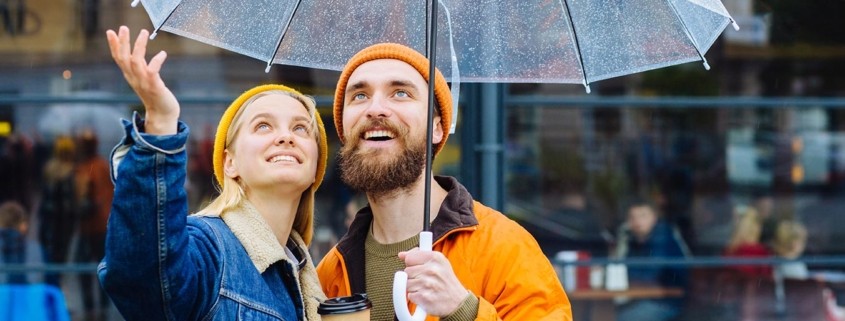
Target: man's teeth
(283, 158)
(377, 134)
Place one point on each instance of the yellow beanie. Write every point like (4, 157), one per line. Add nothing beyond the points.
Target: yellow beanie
(229, 115)
(409, 56)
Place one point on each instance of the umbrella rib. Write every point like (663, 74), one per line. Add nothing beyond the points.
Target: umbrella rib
(427, 26)
(689, 35)
(568, 12)
(282, 36)
(155, 31)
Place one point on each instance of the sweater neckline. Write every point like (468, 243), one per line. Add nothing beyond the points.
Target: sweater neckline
(376, 248)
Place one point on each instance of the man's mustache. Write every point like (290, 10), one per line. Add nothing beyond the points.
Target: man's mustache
(381, 123)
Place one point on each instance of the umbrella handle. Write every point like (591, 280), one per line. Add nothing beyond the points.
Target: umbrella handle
(400, 283)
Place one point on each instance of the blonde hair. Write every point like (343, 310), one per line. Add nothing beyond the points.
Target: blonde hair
(747, 230)
(232, 193)
(787, 234)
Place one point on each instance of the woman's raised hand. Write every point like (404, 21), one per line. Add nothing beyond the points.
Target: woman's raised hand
(162, 108)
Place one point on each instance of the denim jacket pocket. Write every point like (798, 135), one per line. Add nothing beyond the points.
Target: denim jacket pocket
(231, 309)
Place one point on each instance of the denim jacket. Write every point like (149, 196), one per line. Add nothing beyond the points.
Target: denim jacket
(162, 264)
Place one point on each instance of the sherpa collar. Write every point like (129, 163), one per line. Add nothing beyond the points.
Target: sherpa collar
(263, 249)
(257, 237)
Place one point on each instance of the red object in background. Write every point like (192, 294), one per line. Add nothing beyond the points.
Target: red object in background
(582, 272)
(751, 250)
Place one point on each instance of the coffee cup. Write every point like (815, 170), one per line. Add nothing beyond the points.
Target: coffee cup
(355, 307)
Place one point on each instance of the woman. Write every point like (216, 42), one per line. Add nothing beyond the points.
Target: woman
(244, 256)
(745, 243)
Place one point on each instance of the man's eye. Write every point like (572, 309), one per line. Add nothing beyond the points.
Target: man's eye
(359, 96)
(402, 94)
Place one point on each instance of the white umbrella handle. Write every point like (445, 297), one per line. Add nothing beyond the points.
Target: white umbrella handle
(400, 285)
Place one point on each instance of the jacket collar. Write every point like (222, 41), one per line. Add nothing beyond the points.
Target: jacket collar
(264, 250)
(259, 241)
(455, 212)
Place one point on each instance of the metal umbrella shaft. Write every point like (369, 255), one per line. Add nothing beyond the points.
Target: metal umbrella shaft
(431, 44)
(400, 279)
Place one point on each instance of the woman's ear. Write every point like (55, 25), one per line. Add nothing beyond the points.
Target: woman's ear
(230, 169)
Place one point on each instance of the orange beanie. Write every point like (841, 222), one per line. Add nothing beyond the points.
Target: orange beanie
(410, 56)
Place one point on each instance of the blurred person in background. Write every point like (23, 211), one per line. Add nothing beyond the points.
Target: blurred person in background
(745, 242)
(646, 235)
(764, 203)
(14, 225)
(58, 212)
(789, 242)
(94, 190)
(16, 168)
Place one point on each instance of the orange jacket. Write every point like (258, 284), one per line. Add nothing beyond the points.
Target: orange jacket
(491, 255)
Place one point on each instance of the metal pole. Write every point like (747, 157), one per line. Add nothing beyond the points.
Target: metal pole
(490, 145)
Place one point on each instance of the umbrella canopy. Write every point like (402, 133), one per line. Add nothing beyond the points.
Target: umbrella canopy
(552, 41)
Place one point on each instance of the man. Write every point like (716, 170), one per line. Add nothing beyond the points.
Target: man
(645, 235)
(483, 267)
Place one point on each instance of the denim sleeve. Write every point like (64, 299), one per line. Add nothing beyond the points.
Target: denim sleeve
(156, 266)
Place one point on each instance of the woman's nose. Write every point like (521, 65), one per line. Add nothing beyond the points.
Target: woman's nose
(285, 137)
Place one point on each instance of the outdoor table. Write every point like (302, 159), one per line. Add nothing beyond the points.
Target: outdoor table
(599, 305)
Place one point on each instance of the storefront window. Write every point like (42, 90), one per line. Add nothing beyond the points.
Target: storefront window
(758, 140)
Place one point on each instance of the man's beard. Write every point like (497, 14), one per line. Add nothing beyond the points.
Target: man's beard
(364, 172)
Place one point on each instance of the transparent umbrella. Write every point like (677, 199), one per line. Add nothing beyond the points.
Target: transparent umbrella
(538, 41)
(550, 41)
(557, 41)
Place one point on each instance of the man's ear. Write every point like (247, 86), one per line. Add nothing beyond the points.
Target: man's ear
(437, 133)
(229, 167)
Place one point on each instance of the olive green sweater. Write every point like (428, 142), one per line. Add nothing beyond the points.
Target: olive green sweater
(381, 262)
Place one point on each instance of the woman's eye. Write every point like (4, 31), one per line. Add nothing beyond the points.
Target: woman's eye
(262, 126)
(301, 129)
